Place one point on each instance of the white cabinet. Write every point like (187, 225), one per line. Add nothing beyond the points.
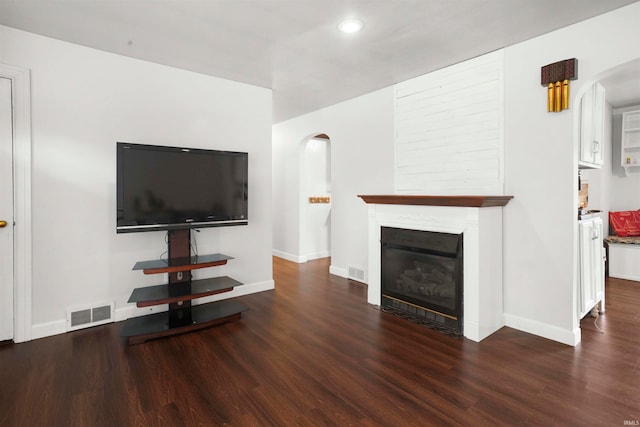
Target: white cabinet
(591, 266)
(630, 136)
(592, 109)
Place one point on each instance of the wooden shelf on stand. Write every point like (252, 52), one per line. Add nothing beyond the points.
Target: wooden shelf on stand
(141, 329)
(178, 264)
(178, 293)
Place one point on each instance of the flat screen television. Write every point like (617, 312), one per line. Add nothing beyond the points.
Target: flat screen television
(172, 188)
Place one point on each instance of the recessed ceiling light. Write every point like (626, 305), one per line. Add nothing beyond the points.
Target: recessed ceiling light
(350, 25)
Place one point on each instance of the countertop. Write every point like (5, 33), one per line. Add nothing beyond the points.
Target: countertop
(589, 215)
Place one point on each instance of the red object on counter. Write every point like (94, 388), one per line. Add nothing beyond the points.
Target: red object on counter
(625, 223)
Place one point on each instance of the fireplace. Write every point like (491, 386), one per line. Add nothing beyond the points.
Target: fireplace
(422, 276)
(478, 219)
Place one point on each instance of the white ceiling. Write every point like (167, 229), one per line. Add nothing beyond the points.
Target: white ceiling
(293, 46)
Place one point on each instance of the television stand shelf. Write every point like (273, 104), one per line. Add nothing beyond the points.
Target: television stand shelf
(181, 316)
(141, 329)
(178, 264)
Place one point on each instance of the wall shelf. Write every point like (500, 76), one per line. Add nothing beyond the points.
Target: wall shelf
(630, 140)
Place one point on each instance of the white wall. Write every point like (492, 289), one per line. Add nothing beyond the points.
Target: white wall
(541, 170)
(286, 192)
(362, 134)
(625, 195)
(83, 101)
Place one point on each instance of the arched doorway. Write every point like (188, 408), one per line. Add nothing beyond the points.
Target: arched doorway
(610, 186)
(315, 197)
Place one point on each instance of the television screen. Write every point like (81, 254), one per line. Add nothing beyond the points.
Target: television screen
(165, 188)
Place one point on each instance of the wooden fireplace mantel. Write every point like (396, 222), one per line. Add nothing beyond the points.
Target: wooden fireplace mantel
(460, 201)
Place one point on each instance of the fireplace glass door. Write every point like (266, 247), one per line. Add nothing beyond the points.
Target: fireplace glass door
(422, 273)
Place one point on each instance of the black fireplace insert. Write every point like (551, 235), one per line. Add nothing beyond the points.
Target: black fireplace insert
(422, 276)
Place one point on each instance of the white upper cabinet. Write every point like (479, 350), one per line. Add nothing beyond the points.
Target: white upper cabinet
(630, 136)
(592, 110)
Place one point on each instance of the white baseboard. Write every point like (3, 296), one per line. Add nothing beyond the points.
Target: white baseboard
(47, 329)
(299, 259)
(130, 310)
(289, 257)
(625, 276)
(317, 255)
(477, 332)
(247, 289)
(336, 271)
(564, 336)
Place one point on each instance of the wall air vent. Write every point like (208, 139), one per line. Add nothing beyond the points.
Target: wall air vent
(85, 317)
(356, 273)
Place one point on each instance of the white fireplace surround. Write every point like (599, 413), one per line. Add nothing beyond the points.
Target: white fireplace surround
(482, 250)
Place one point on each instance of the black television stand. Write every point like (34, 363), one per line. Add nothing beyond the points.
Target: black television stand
(181, 316)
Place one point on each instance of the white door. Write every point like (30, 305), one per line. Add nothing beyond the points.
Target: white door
(6, 211)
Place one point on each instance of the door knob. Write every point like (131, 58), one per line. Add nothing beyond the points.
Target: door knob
(3, 223)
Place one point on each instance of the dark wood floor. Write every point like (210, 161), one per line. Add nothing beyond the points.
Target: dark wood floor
(313, 352)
